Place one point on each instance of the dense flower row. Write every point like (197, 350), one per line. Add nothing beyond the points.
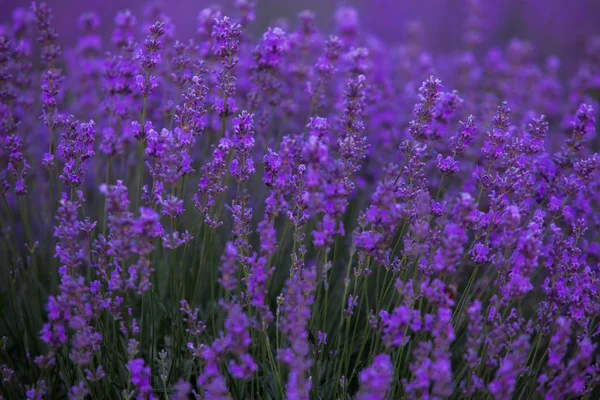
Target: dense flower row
(300, 215)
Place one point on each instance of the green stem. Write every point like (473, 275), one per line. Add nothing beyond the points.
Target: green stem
(107, 181)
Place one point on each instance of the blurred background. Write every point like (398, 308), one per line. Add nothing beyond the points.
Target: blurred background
(556, 27)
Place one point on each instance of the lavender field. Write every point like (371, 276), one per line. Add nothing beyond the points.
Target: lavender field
(311, 212)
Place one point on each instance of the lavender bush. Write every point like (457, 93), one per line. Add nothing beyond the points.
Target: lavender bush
(299, 215)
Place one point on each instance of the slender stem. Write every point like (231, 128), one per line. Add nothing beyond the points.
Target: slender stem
(140, 174)
(107, 181)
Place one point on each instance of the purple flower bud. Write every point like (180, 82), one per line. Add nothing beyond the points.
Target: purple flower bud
(140, 377)
(480, 253)
(375, 380)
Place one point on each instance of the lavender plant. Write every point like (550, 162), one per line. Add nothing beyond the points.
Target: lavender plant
(302, 215)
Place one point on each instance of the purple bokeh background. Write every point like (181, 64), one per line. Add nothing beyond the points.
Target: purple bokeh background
(558, 27)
